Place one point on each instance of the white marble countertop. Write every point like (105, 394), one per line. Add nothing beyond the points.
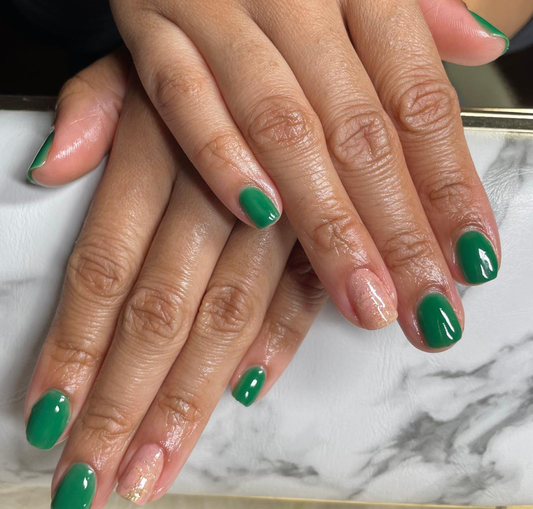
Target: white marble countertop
(358, 415)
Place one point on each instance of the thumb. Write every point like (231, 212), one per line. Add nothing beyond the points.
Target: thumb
(462, 36)
(87, 113)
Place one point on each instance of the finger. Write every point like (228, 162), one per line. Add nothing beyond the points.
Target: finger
(152, 327)
(294, 307)
(185, 93)
(461, 36)
(368, 157)
(100, 274)
(87, 112)
(228, 321)
(424, 107)
(277, 121)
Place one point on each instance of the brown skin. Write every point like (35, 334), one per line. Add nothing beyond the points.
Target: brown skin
(509, 21)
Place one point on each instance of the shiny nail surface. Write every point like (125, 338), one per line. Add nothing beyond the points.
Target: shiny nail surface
(76, 490)
(41, 157)
(137, 483)
(48, 419)
(258, 207)
(438, 322)
(491, 29)
(476, 258)
(249, 385)
(370, 300)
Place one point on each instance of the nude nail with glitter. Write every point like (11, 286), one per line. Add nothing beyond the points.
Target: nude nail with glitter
(139, 479)
(371, 300)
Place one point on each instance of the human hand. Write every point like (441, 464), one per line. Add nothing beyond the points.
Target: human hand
(249, 89)
(165, 301)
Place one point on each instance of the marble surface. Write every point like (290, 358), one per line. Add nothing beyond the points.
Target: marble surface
(358, 415)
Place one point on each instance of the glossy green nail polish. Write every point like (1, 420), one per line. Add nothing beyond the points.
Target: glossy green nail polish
(76, 490)
(438, 322)
(48, 419)
(41, 156)
(491, 29)
(258, 207)
(476, 258)
(249, 386)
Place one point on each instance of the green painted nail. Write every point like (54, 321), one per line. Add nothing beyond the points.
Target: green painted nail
(476, 258)
(76, 490)
(491, 29)
(249, 386)
(438, 321)
(41, 156)
(258, 207)
(48, 419)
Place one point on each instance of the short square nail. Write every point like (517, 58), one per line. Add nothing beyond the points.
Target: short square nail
(48, 419)
(259, 208)
(138, 482)
(249, 385)
(438, 322)
(371, 300)
(41, 157)
(476, 258)
(491, 29)
(77, 488)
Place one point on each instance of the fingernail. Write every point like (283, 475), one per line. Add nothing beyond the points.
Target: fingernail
(491, 29)
(438, 322)
(249, 385)
(258, 207)
(76, 490)
(41, 156)
(476, 258)
(144, 469)
(48, 419)
(371, 300)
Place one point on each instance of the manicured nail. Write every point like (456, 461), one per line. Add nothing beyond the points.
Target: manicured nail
(41, 156)
(76, 490)
(258, 207)
(371, 300)
(491, 29)
(48, 419)
(249, 385)
(137, 484)
(438, 322)
(476, 258)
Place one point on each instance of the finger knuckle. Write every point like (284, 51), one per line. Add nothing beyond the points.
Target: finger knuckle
(99, 271)
(335, 233)
(283, 333)
(226, 311)
(408, 247)
(105, 422)
(446, 192)
(74, 355)
(156, 314)
(175, 85)
(282, 122)
(179, 407)
(219, 151)
(361, 140)
(427, 107)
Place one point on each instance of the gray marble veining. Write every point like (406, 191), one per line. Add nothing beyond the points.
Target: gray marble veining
(358, 415)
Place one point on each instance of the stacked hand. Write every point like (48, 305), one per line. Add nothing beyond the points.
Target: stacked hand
(340, 110)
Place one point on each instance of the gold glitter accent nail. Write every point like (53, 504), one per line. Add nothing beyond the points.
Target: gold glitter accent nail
(138, 490)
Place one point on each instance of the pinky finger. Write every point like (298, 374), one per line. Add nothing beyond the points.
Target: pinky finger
(293, 309)
(87, 112)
